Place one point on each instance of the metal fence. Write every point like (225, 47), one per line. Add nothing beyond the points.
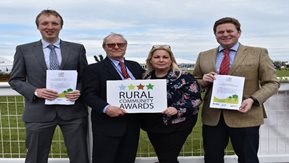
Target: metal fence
(274, 139)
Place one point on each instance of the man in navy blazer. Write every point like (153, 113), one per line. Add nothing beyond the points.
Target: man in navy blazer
(115, 133)
(28, 77)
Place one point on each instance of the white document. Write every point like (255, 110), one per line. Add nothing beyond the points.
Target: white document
(138, 96)
(227, 92)
(61, 81)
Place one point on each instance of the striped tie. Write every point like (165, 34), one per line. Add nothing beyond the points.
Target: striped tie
(123, 70)
(53, 61)
(225, 65)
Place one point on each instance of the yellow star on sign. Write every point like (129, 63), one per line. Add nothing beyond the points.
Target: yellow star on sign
(130, 87)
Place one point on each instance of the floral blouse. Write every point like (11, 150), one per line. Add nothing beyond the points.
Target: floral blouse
(183, 93)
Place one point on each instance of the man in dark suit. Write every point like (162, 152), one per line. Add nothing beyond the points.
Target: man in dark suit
(28, 77)
(115, 133)
(241, 126)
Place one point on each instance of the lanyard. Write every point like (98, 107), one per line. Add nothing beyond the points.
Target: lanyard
(119, 72)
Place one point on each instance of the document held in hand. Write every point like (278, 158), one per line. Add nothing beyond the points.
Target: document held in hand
(227, 92)
(61, 81)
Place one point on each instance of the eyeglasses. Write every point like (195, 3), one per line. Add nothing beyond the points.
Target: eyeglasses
(119, 45)
(161, 46)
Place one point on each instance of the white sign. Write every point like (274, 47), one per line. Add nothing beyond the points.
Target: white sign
(61, 81)
(227, 92)
(138, 96)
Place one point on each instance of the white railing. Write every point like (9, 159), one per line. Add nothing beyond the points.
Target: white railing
(274, 134)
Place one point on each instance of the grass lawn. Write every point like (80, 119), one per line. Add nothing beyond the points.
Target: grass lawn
(282, 73)
(12, 133)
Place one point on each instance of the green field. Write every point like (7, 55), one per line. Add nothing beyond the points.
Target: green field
(12, 133)
(282, 73)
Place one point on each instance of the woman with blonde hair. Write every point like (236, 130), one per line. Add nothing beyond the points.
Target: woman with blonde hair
(169, 130)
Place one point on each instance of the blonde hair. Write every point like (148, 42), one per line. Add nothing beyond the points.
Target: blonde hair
(174, 66)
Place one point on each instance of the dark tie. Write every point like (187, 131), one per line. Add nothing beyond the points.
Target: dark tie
(123, 70)
(53, 61)
(225, 65)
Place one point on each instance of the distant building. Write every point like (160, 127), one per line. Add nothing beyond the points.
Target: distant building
(287, 64)
(5, 65)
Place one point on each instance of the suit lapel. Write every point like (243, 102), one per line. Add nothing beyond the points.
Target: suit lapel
(108, 65)
(239, 58)
(131, 69)
(209, 60)
(39, 54)
(64, 53)
(212, 60)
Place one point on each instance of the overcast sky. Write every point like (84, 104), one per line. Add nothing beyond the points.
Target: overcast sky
(186, 25)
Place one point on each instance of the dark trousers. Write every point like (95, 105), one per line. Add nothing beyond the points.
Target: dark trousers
(115, 149)
(39, 137)
(168, 145)
(245, 142)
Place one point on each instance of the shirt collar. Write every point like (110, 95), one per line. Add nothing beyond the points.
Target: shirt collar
(115, 62)
(234, 48)
(45, 43)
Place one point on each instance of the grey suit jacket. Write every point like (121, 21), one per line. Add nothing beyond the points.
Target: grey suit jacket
(260, 82)
(29, 73)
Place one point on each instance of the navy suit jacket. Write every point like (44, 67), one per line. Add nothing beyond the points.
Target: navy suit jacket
(94, 92)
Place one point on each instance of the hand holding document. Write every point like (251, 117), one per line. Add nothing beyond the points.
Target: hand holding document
(227, 92)
(63, 82)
